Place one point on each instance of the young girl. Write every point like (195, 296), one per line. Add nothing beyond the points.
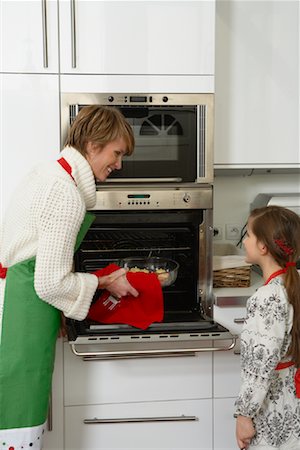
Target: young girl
(268, 405)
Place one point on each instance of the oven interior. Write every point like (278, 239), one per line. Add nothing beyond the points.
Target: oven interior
(173, 234)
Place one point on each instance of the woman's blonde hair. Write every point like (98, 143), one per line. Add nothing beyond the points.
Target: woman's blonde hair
(279, 229)
(99, 125)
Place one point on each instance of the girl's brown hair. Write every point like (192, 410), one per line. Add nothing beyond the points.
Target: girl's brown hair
(99, 125)
(279, 229)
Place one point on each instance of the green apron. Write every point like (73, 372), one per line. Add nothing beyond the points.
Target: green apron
(29, 331)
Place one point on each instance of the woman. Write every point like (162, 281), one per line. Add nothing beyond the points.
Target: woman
(268, 405)
(45, 222)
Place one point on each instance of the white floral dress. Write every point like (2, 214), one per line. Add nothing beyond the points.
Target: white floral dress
(267, 395)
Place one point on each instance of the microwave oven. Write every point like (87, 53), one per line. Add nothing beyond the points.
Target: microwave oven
(173, 134)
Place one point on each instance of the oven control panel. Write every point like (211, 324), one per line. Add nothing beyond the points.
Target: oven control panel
(138, 199)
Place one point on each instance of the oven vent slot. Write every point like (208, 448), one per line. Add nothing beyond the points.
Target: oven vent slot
(201, 138)
(155, 337)
(74, 110)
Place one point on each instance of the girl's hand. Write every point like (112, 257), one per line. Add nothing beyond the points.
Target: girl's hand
(117, 284)
(245, 431)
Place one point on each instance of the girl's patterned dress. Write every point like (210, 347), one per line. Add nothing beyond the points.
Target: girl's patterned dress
(267, 395)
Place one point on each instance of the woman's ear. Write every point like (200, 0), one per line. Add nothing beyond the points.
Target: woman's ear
(92, 148)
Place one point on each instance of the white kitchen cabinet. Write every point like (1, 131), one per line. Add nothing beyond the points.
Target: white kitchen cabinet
(162, 435)
(257, 85)
(29, 36)
(146, 37)
(136, 380)
(29, 119)
(224, 424)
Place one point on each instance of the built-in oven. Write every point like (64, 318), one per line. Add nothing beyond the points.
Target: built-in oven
(160, 221)
(160, 205)
(173, 134)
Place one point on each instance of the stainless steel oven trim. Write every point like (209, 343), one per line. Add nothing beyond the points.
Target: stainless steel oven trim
(203, 342)
(205, 264)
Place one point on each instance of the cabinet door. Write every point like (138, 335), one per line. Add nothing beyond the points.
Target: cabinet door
(257, 85)
(166, 434)
(29, 36)
(226, 376)
(146, 37)
(29, 118)
(224, 424)
(53, 439)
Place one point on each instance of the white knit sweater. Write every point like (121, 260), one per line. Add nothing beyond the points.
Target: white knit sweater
(43, 220)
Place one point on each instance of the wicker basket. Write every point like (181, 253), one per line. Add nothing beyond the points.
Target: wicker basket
(236, 277)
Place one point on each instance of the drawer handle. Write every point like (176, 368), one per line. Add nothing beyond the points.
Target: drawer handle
(182, 418)
(239, 320)
(151, 353)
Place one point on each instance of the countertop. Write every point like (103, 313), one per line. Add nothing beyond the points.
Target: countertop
(237, 296)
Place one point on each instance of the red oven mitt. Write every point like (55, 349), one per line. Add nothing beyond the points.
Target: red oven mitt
(139, 311)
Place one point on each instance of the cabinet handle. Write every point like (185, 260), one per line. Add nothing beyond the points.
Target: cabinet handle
(182, 418)
(151, 353)
(50, 414)
(239, 320)
(73, 33)
(45, 34)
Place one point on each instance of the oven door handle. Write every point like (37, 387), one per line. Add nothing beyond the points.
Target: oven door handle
(119, 354)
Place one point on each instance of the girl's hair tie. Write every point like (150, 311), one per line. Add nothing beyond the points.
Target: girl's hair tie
(290, 264)
(284, 247)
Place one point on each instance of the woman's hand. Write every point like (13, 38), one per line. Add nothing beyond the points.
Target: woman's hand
(117, 284)
(245, 431)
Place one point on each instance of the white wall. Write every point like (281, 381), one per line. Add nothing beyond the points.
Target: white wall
(233, 195)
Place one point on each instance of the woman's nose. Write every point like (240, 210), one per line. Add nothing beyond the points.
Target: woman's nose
(118, 164)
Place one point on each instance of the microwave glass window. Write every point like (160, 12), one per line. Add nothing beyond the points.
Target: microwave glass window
(165, 142)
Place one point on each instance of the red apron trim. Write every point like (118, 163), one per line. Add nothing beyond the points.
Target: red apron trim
(284, 365)
(297, 382)
(65, 165)
(3, 271)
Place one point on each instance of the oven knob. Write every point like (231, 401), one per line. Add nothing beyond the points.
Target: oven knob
(110, 98)
(186, 198)
(165, 99)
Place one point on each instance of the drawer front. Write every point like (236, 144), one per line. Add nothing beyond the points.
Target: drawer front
(163, 435)
(172, 378)
(224, 424)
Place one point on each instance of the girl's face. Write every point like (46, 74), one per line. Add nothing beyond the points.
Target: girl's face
(252, 246)
(104, 160)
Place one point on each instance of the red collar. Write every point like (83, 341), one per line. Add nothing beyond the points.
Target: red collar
(275, 274)
(65, 165)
